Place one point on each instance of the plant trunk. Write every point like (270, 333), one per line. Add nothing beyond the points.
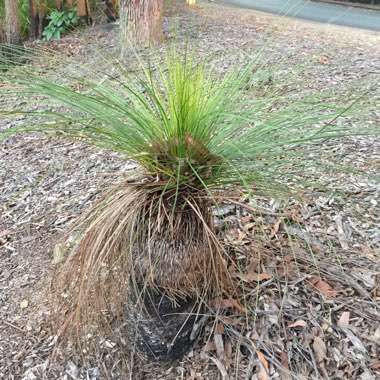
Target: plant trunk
(141, 22)
(111, 10)
(13, 22)
(41, 16)
(69, 3)
(174, 272)
(83, 10)
(190, 2)
(58, 5)
(2, 35)
(33, 19)
(161, 326)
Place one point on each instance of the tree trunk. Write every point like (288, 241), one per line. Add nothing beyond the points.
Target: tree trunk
(33, 19)
(69, 3)
(190, 2)
(2, 35)
(41, 16)
(58, 5)
(141, 22)
(111, 10)
(83, 10)
(13, 22)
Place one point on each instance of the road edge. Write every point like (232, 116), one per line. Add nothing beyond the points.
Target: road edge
(351, 5)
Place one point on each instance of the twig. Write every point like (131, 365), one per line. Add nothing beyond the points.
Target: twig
(334, 271)
(256, 210)
(250, 366)
(197, 326)
(219, 365)
(14, 326)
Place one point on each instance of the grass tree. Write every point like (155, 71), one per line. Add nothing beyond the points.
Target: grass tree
(148, 250)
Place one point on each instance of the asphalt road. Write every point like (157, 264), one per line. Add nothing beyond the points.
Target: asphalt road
(326, 13)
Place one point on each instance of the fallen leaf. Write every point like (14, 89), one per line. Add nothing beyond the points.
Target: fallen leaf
(222, 304)
(19, 355)
(219, 346)
(219, 328)
(275, 228)
(251, 272)
(264, 367)
(313, 280)
(249, 226)
(375, 366)
(284, 371)
(289, 257)
(376, 335)
(246, 219)
(220, 366)
(299, 323)
(227, 353)
(238, 306)
(284, 360)
(4, 233)
(326, 289)
(320, 349)
(344, 319)
(341, 234)
(210, 346)
(239, 237)
(223, 210)
(192, 374)
(4, 237)
(323, 287)
(235, 233)
(324, 60)
(59, 252)
(72, 369)
(257, 277)
(354, 339)
(231, 321)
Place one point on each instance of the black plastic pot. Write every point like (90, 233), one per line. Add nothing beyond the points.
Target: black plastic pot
(160, 326)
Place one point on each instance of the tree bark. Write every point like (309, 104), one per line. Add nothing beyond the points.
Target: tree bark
(141, 22)
(33, 19)
(111, 10)
(41, 16)
(13, 22)
(69, 3)
(2, 35)
(83, 10)
(190, 2)
(58, 5)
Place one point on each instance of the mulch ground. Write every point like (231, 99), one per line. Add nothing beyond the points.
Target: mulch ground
(306, 304)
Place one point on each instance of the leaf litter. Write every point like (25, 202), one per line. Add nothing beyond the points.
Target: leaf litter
(307, 274)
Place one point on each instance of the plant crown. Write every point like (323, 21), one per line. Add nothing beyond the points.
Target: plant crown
(189, 124)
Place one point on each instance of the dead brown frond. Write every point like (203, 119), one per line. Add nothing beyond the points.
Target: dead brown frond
(142, 246)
